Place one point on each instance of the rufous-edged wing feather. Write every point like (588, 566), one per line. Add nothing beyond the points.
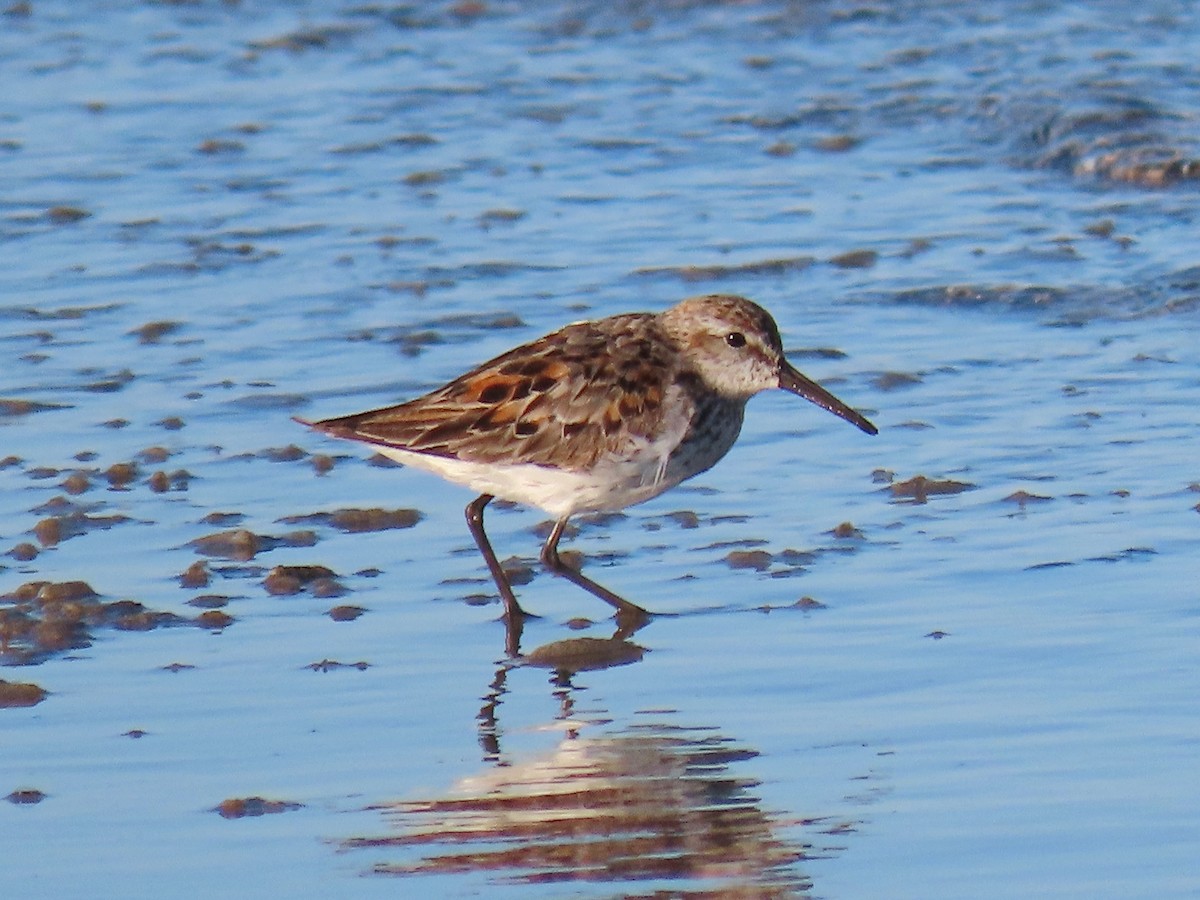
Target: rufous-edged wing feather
(564, 400)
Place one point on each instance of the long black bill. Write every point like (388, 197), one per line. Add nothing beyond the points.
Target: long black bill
(793, 382)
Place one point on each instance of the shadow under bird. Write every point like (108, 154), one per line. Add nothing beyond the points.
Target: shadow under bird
(594, 417)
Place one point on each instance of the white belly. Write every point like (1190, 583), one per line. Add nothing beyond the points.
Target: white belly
(608, 487)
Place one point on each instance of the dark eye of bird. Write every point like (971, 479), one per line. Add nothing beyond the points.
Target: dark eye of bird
(735, 339)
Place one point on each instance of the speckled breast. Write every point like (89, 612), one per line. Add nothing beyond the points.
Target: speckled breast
(714, 428)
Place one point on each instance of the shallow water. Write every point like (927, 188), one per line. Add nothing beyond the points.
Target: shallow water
(215, 217)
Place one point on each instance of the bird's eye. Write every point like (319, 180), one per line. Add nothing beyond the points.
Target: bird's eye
(735, 339)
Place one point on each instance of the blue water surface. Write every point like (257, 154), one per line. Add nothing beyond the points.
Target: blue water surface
(974, 223)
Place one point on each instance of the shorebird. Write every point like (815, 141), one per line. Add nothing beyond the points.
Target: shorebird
(594, 417)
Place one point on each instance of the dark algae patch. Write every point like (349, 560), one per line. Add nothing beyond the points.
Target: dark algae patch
(11, 407)
(718, 272)
(356, 521)
(25, 797)
(584, 654)
(919, 489)
(333, 665)
(242, 545)
(247, 807)
(14, 694)
(41, 619)
(759, 560)
(195, 576)
(320, 581)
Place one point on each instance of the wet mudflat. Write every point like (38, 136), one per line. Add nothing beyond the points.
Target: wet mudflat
(956, 659)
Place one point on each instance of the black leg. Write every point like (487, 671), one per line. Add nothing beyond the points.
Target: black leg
(630, 616)
(514, 616)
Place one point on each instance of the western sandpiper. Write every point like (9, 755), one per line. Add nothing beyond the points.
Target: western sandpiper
(595, 417)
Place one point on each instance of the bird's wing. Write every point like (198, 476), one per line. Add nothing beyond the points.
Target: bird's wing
(564, 400)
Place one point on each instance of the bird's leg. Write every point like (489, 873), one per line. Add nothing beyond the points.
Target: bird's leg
(514, 616)
(630, 616)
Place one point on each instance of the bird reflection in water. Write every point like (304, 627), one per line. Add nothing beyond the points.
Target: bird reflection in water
(648, 802)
